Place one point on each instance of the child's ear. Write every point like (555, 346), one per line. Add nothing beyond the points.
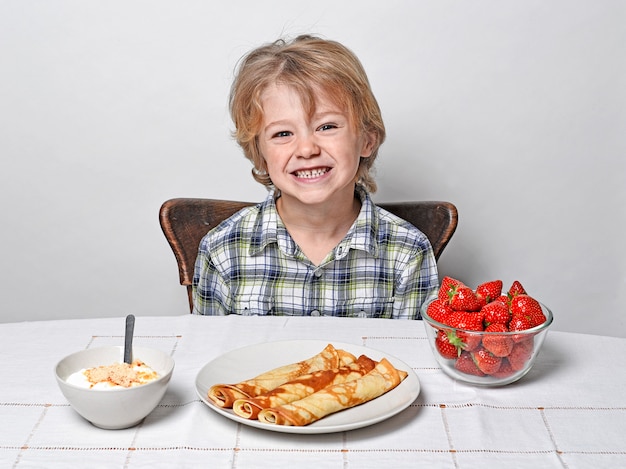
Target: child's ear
(369, 142)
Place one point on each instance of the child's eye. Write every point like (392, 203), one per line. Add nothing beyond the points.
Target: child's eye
(282, 134)
(327, 127)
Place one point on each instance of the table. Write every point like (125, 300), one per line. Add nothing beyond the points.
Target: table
(568, 412)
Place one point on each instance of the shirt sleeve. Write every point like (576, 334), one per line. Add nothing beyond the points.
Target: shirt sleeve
(210, 292)
(416, 284)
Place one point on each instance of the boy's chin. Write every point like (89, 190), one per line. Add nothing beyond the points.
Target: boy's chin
(317, 197)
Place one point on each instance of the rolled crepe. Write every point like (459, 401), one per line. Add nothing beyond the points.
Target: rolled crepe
(303, 386)
(377, 382)
(224, 395)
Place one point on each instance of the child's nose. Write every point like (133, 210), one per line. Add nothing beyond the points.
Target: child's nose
(307, 147)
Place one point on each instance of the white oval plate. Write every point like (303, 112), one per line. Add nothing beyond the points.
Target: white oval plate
(247, 362)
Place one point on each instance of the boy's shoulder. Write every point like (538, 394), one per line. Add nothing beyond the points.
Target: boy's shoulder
(386, 216)
(241, 224)
(391, 225)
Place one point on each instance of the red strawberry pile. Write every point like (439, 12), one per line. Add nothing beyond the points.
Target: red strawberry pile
(485, 309)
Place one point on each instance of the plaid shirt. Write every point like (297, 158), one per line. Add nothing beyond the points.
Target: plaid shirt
(249, 264)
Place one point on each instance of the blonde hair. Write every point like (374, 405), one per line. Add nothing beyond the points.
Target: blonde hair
(307, 64)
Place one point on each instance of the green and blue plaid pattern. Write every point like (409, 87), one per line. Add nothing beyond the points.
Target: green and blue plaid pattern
(249, 264)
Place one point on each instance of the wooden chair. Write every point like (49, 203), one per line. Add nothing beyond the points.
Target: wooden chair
(185, 221)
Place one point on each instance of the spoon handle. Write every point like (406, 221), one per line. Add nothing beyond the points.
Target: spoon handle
(128, 339)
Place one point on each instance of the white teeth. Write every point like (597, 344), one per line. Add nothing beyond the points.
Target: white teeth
(308, 174)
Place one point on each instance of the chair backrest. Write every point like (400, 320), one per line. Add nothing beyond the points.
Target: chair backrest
(185, 221)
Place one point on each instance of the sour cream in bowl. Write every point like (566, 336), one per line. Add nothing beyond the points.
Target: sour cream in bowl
(110, 393)
(115, 375)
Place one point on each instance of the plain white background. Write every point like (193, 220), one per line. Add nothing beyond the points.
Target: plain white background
(512, 110)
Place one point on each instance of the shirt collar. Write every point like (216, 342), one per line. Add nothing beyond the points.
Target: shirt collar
(362, 234)
(269, 228)
(266, 225)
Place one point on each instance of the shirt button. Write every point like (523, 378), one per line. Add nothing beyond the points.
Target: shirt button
(318, 273)
(315, 313)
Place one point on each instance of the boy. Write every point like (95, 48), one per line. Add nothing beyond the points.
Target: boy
(306, 117)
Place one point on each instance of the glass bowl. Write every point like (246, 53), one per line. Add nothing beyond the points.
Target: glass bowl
(471, 359)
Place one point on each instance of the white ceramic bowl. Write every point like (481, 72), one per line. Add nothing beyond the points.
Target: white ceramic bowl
(114, 408)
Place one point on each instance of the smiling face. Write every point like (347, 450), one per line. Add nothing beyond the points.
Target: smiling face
(312, 159)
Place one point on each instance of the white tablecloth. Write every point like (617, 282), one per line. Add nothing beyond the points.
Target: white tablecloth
(568, 412)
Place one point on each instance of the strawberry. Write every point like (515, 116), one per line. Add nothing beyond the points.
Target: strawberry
(516, 289)
(470, 321)
(496, 312)
(448, 344)
(489, 291)
(466, 365)
(498, 345)
(505, 299)
(447, 283)
(528, 307)
(505, 369)
(520, 354)
(519, 323)
(439, 310)
(486, 361)
(463, 298)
